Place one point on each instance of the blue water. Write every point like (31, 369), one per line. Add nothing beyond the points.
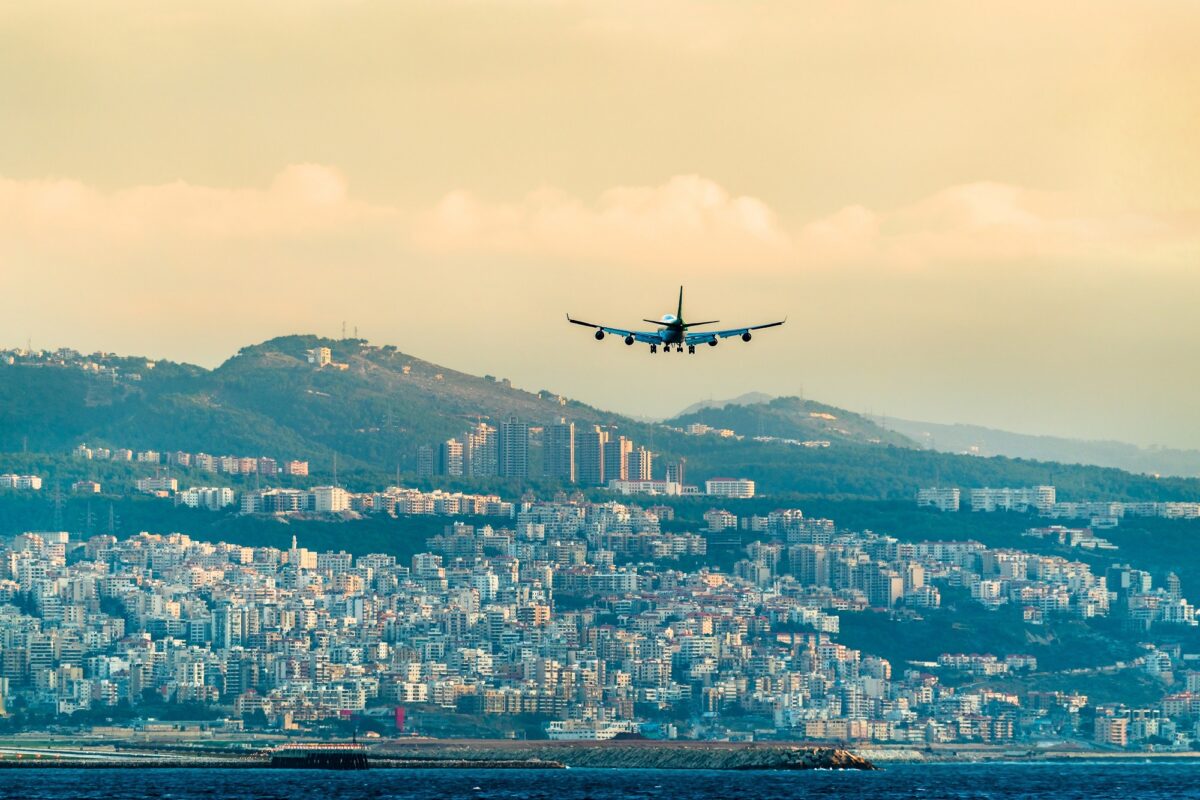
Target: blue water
(1091, 781)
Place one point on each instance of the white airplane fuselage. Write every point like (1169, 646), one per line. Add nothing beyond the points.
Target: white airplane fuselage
(672, 332)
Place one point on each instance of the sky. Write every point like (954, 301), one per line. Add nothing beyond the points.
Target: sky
(968, 212)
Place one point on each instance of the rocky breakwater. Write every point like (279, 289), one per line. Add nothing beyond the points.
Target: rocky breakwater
(640, 754)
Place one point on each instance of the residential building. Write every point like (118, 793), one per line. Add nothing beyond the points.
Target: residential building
(730, 487)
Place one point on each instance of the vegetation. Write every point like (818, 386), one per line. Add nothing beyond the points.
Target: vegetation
(794, 418)
(374, 413)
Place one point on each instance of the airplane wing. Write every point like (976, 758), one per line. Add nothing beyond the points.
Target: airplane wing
(645, 337)
(710, 337)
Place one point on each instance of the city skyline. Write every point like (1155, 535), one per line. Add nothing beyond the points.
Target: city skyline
(1030, 202)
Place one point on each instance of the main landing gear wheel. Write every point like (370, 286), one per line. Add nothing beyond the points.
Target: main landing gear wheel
(653, 349)
(691, 348)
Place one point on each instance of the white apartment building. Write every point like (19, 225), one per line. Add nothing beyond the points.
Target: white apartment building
(330, 499)
(212, 498)
(158, 484)
(742, 488)
(645, 487)
(32, 482)
(1041, 498)
(941, 499)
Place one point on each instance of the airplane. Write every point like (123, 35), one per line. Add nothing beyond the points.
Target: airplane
(674, 331)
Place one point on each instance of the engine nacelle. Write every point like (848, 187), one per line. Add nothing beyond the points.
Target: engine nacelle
(712, 342)
(746, 336)
(599, 335)
(629, 340)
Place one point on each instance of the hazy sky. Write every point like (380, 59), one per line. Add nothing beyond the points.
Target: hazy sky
(975, 212)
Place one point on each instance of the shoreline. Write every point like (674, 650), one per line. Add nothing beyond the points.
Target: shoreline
(446, 754)
(416, 753)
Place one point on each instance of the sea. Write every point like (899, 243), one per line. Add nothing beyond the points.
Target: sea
(1088, 780)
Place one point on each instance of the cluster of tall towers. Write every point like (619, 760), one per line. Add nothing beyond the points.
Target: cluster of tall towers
(482, 451)
(592, 456)
(588, 455)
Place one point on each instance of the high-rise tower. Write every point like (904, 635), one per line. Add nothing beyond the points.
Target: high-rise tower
(559, 451)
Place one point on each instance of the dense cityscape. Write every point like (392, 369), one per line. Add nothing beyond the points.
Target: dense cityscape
(599, 608)
(571, 618)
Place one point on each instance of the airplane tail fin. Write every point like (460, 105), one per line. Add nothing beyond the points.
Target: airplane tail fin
(679, 311)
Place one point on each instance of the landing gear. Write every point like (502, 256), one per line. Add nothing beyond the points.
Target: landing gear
(691, 348)
(678, 348)
(653, 349)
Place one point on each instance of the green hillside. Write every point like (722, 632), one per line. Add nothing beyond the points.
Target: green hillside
(374, 413)
(794, 418)
(268, 400)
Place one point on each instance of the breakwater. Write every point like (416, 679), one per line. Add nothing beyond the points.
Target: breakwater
(634, 754)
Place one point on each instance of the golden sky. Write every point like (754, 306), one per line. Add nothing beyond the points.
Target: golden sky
(976, 212)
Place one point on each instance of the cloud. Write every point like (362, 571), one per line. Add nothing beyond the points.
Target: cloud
(986, 224)
(302, 200)
(692, 221)
(686, 221)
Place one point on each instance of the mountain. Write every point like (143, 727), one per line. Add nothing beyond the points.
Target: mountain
(373, 406)
(981, 441)
(749, 398)
(794, 418)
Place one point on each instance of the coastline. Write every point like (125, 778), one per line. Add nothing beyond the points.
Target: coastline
(53, 751)
(450, 754)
